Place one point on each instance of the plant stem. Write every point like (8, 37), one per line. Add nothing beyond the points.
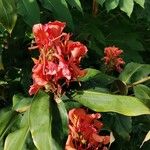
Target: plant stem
(95, 8)
(139, 82)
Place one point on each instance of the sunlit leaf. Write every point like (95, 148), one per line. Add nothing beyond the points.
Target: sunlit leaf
(111, 4)
(127, 6)
(40, 119)
(147, 137)
(101, 102)
(140, 2)
(112, 138)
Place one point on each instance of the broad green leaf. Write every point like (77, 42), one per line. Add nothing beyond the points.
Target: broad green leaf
(23, 105)
(147, 137)
(101, 2)
(140, 2)
(96, 79)
(70, 104)
(75, 3)
(134, 72)
(101, 102)
(90, 73)
(29, 10)
(5, 118)
(16, 140)
(59, 123)
(60, 10)
(127, 6)
(40, 119)
(145, 14)
(143, 93)
(122, 126)
(17, 98)
(63, 117)
(8, 14)
(111, 4)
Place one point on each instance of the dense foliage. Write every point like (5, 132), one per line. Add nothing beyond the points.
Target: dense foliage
(104, 105)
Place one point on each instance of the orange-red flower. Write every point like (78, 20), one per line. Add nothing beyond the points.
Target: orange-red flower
(59, 60)
(112, 58)
(46, 35)
(84, 131)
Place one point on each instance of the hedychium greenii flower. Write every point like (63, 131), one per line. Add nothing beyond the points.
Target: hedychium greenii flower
(59, 60)
(112, 59)
(84, 131)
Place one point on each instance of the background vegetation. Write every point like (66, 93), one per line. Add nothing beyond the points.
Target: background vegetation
(97, 24)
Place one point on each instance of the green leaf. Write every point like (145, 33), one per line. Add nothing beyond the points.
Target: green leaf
(64, 117)
(60, 10)
(143, 93)
(40, 119)
(70, 104)
(8, 14)
(127, 6)
(59, 123)
(134, 72)
(29, 10)
(6, 116)
(75, 3)
(16, 140)
(111, 4)
(23, 105)
(122, 126)
(96, 80)
(101, 102)
(90, 73)
(101, 2)
(140, 2)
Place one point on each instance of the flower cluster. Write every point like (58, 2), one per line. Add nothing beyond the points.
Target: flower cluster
(59, 59)
(84, 131)
(112, 58)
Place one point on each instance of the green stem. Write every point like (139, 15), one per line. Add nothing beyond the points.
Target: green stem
(139, 82)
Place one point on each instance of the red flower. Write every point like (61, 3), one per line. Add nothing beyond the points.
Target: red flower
(84, 131)
(46, 34)
(112, 58)
(59, 59)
